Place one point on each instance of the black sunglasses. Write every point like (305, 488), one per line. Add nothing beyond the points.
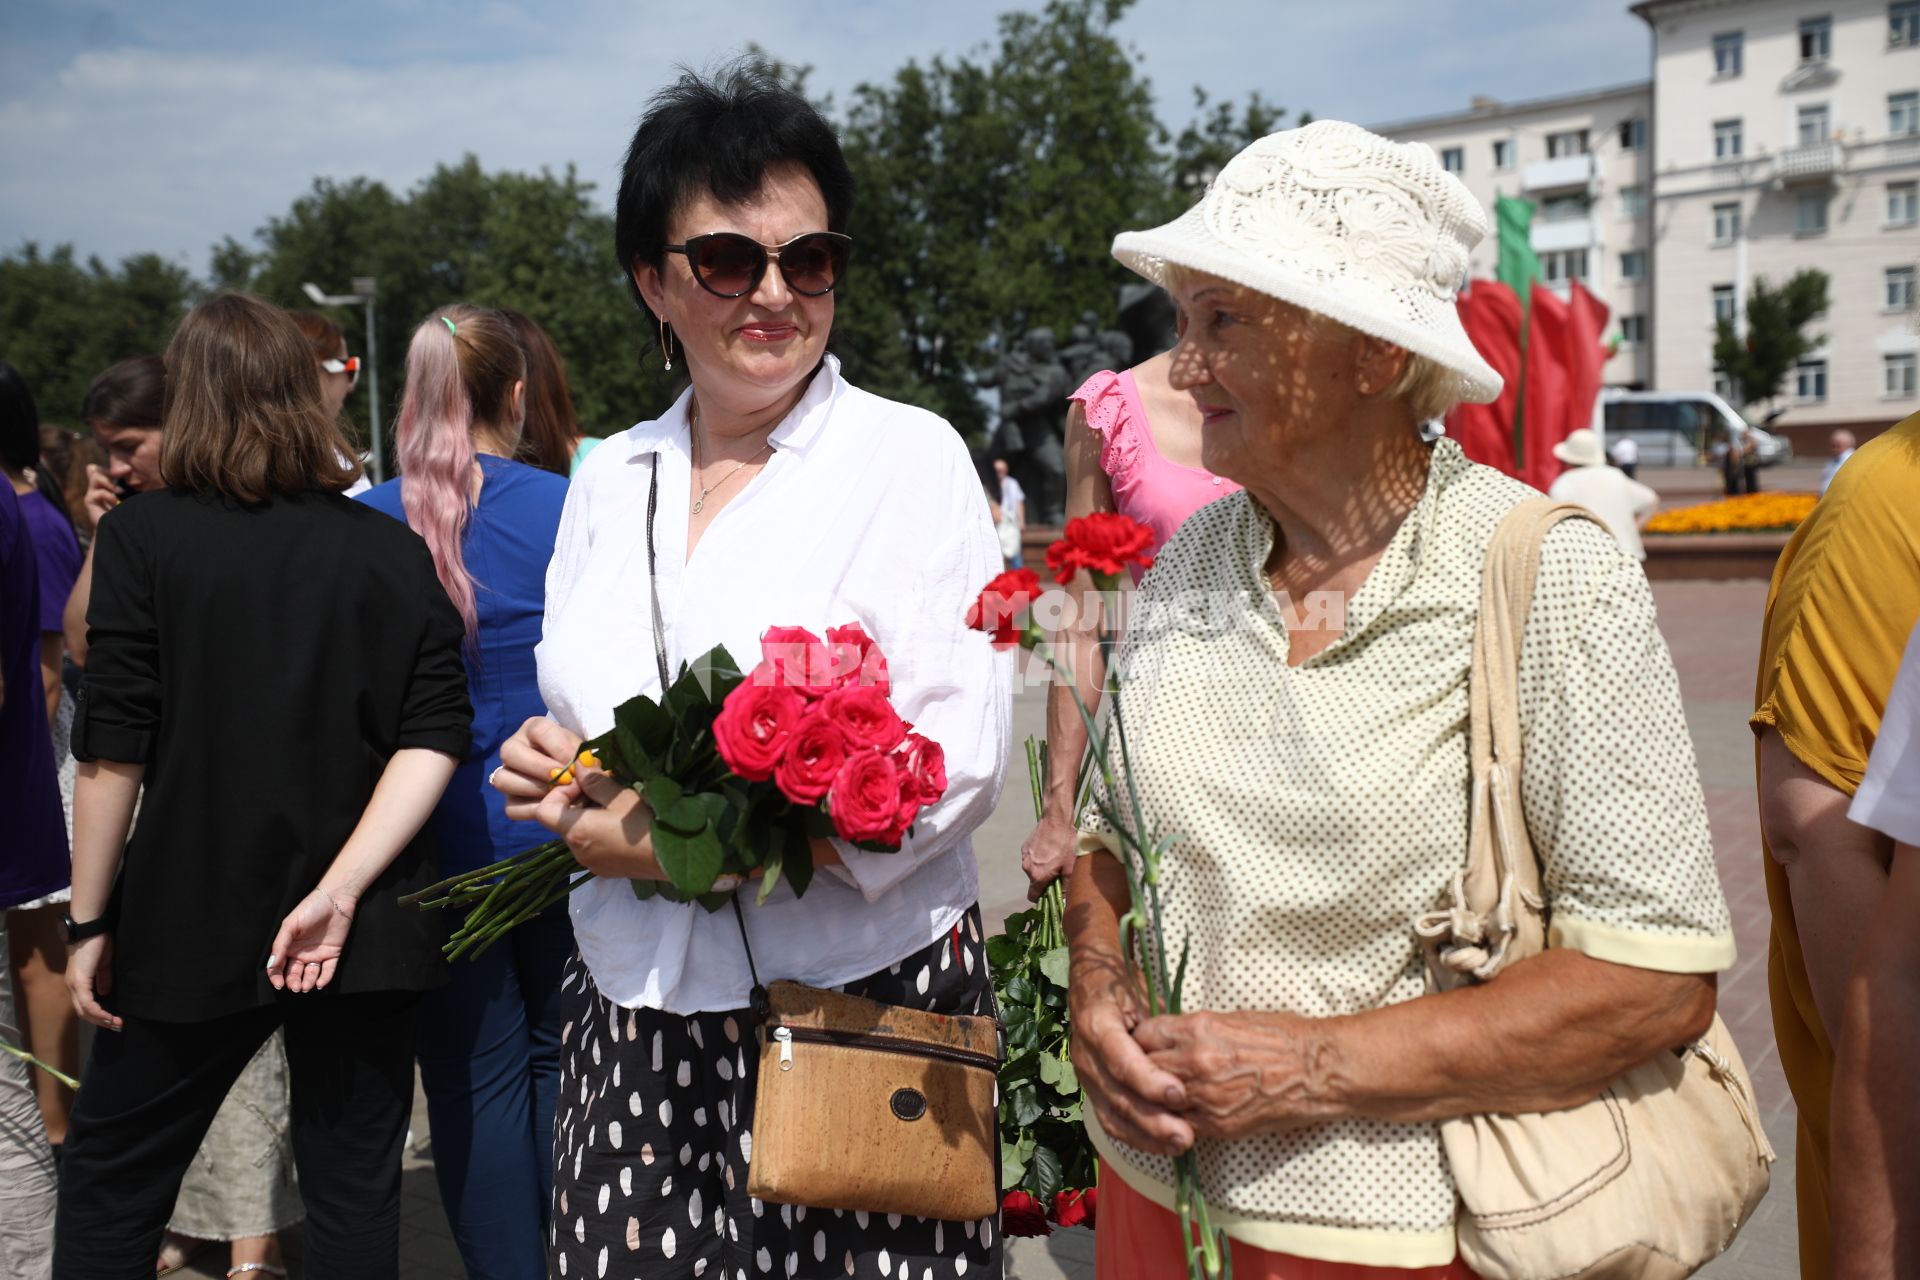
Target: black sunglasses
(731, 265)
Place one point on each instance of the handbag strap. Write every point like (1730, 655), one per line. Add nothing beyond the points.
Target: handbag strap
(1497, 914)
(758, 998)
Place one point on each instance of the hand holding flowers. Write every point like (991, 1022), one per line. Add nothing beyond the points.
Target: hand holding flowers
(728, 776)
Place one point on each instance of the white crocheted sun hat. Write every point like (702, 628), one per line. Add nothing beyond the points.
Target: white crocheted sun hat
(1343, 222)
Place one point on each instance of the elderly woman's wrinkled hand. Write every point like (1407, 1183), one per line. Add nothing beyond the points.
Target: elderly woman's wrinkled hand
(1241, 1074)
(1133, 1099)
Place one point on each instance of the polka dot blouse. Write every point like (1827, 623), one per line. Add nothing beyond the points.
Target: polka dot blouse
(1320, 807)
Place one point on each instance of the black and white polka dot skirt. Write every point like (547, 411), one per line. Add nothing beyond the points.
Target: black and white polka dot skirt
(653, 1137)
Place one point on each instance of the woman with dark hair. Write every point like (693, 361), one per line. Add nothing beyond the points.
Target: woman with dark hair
(33, 923)
(489, 1045)
(771, 493)
(281, 668)
(553, 440)
(122, 409)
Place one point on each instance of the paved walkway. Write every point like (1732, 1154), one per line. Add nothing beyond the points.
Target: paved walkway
(1713, 629)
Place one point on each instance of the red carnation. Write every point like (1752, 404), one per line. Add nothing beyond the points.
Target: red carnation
(753, 725)
(863, 713)
(1075, 1208)
(815, 751)
(856, 659)
(1104, 542)
(1005, 606)
(864, 800)
(1022, 1215)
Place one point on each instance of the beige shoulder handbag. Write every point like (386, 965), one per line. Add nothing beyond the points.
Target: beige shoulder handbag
(1653, 1177)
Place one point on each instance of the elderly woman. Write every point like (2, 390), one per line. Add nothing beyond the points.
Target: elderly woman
(772, 493)
(1324, 688)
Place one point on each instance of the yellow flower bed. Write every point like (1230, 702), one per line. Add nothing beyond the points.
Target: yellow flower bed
(1749, 513)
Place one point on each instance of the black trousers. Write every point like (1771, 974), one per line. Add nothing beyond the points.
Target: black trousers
(150, 1092)
(654, 1135)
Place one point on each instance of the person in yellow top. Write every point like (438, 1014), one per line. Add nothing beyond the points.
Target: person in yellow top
(1844, 597)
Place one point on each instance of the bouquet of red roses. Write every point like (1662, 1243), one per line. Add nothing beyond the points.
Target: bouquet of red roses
(743, 770)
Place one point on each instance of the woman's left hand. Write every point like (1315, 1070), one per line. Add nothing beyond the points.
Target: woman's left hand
(307, 949)
(1244, 1073)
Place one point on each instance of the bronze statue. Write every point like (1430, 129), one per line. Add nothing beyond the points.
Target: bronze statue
(1034, 386)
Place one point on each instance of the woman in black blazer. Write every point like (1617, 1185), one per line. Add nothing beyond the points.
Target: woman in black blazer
(280, 668)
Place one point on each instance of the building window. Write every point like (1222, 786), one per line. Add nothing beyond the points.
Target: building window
(1503, 153)
(1633, 264)
(1728, 53)
(1903, 203)
(1564, 265)
(1633, 134)
(1571, 143)
(1565, 208)
(1633, 330)
(1903, 114)
(1815, 125)
(1897, 372)
(1903, 24)
(1726, 139)
(1723, 304)
(1899, 288)
(1810, 213)
(1454, 159)
(1816, 39)
(1726, 223)
(1725, 387)
(1810, 381)
(1633, 202)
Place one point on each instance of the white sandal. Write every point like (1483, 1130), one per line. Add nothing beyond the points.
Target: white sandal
(265, 1268)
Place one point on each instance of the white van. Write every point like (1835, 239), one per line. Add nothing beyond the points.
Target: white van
(1682, 428)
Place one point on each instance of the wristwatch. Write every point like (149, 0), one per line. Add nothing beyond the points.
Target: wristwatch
(77, 932)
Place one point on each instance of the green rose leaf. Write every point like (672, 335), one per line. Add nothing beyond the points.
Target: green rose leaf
(1046, 1175)
(1026, 1104)
(690, 861)
(1054, 965)
(1059, 1073)
(662, 794)
(797, 861)
(1003, 951)
(1012, 1167)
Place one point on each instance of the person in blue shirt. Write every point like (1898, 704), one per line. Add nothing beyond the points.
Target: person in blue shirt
(489, 1043)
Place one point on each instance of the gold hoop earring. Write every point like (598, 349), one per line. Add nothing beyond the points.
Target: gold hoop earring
(666, 344)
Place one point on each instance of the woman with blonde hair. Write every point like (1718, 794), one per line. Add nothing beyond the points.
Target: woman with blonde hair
(489, 1046)
(280, 668)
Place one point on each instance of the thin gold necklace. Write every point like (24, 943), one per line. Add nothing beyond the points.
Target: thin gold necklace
(694, 435)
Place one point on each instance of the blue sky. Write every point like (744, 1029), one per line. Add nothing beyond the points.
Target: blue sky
(141, 125)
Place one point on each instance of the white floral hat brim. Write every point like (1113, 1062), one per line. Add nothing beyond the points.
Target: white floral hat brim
(1342, 222)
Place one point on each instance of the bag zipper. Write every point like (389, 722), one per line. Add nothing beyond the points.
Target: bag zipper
(785, 1037)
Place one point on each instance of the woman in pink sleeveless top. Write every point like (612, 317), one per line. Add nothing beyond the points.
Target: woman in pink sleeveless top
(1133, 446)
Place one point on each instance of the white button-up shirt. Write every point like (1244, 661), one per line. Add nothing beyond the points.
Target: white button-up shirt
(868, 511)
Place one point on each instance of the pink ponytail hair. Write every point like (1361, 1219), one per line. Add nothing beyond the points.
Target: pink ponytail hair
(461, 366)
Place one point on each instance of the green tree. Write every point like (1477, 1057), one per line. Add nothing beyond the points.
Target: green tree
(1776, 339)
(534, 242)
(63, 321)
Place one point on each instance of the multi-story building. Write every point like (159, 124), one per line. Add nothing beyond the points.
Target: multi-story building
(1786, 135)
(1584, 160)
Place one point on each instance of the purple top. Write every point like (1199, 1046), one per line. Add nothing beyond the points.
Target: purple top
(33, 853)
(57, 551)
(1146, 487)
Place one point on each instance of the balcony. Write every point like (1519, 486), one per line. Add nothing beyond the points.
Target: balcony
(1812, 163)
(1566, 233)
(1563, 173)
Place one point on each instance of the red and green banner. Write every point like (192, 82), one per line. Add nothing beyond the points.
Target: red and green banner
(1549, 350)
